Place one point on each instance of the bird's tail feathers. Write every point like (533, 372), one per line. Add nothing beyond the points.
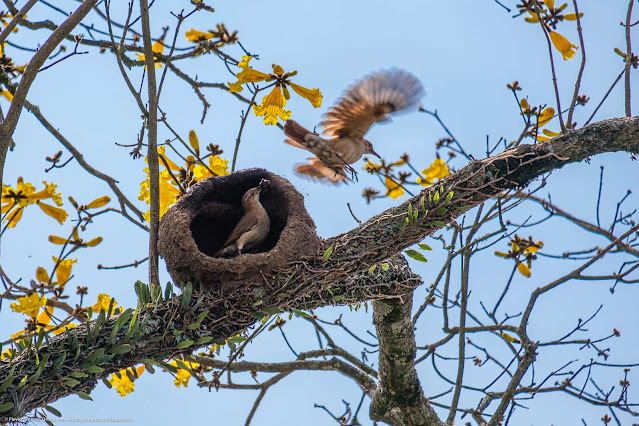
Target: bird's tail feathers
(291, 142)
(295, 131)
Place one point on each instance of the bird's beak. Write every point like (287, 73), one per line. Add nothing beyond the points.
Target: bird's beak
(263, 183)
(372, 151)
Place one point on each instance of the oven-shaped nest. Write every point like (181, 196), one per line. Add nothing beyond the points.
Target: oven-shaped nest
(194, 229)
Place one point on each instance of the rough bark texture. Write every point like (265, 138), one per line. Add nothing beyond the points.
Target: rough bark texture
(161, 327)
(399, 399)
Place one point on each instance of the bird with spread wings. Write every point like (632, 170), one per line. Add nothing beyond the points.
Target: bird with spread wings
(345, 125)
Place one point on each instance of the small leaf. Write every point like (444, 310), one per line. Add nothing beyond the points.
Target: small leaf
(187, 292)
(422, 203)
(120, 349)
(437, 224)
(53, 410)
(372, 268)
(94, 369)
(436, 197)
(78, 375)
(385, 266)
(327, 254)
(441, 211)
(202, 315)
(71, 382)
(403, 228)
(449, 197)
(257, 315)
(300, 313)
(272, 311)
(193, 326)
(258, 303)
(6, 407)
(203, 340)
(23, 382)
(6, 383)
(238, 339)
(416, 255)
(84, 395)
(184, 344)
(424, 246)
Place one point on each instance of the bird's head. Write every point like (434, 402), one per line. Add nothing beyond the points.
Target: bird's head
(370, 150)
(253, 194)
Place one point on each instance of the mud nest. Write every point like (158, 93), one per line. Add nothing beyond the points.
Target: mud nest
(197, 226)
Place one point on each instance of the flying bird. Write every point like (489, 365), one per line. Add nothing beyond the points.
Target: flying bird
(252, 228)
(367, 102)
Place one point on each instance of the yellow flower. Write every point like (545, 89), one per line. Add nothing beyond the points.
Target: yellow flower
(196, 36)
(550, 133)
(562, 44)
(157, 47)
(437, 170)
(545, 116)
(372, 166)
(124, 385)
(394, 190)
(182, 376)
(7, 95)
(75, 240)
(510, 339)
(104, 300)
(29, 305)
(98, 202)
(523, 252)
(217, 165)
(314, 95)
(44, 319)
(15, 200)
(272, 106)
(58, 214)
(63, 271)
(250, 75)
(194, 141)
(42, 275)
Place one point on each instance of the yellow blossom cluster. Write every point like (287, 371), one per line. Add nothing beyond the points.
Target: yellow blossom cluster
(523, 252)
(543, 115)
(182, 376)
(14, 200)
(103, 303)
(188, 174)
(273, 104)
(122, 381)
(550, 16)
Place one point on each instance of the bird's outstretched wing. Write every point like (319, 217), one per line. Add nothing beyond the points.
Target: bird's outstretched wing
(369, 100)
(315, 169)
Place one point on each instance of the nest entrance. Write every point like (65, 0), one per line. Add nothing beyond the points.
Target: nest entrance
(196, 227)
(215, 220)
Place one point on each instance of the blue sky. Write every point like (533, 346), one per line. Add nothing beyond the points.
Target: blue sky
(463, 52)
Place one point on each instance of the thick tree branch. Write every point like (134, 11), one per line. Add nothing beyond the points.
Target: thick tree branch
(305, 284)
(399, 399)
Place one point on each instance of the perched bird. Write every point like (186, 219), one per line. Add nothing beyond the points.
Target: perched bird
(367, 102)
(252, 228)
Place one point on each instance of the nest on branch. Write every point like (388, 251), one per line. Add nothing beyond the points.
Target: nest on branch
(196, 227)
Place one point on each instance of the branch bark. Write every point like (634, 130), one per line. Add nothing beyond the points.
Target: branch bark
(399, 398)
(161, 327)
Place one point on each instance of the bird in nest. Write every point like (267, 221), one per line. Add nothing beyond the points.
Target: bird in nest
(367, 102)
(253, 227)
